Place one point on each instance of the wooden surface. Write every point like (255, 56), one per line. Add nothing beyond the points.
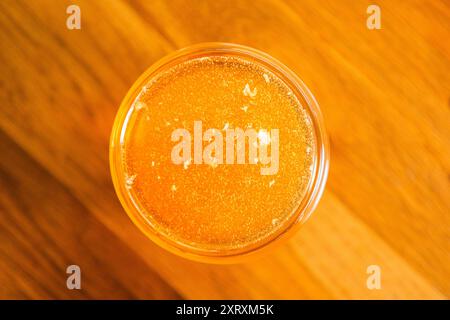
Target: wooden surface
(385, 95)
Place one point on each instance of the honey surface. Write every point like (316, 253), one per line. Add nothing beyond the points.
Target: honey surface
(216, 206)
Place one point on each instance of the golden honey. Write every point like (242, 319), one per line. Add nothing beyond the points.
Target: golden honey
(215, 152)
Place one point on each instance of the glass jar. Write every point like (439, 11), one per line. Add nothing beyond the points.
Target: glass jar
(142, 216)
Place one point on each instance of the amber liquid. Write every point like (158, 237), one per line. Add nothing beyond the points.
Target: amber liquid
(225, 206)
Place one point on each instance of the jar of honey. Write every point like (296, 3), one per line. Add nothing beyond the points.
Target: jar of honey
(217, 151)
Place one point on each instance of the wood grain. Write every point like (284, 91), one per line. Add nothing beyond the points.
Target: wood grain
(385, 95)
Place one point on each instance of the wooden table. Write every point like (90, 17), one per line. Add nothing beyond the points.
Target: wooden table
(385, 97)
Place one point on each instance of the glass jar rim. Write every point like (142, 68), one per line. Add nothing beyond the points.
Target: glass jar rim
(317, 180)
